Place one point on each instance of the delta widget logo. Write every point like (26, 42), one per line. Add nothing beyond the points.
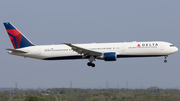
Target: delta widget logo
(138, 45)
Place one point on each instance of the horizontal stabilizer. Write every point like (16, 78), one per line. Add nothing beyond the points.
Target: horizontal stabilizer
(17, 51)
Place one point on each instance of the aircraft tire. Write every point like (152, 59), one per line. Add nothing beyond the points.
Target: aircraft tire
(89, 63)
(93, 65)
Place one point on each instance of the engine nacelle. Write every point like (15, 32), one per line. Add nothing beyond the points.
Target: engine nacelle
(110, 56)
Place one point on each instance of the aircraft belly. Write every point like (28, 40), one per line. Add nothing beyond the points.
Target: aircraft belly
(61, 55)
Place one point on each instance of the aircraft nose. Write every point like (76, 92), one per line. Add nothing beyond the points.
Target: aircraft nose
(175, 49)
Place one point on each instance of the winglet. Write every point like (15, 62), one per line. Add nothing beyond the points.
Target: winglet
(66, 43)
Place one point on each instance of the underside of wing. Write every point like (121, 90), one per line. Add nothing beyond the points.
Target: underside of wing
(84, 51)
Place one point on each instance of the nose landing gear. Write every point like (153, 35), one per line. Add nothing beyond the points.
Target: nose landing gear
(165, 61)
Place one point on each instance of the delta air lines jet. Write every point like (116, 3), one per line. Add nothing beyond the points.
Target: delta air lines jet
(103, 51)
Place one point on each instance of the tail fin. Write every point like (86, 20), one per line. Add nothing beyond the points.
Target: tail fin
(17, 38)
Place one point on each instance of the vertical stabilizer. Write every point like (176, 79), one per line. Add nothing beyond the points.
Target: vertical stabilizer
(17, 38)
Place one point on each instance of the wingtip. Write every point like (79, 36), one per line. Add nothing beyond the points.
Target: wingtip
(65, 43)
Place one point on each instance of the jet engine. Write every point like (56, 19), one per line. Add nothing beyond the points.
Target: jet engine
(109, 56)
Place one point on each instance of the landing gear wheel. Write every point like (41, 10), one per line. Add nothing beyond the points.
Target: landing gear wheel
(165, 59)
(91, 64)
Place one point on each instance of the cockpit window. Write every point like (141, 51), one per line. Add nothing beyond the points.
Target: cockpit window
(171, 45)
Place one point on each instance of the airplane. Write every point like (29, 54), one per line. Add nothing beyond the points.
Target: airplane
(92, 51)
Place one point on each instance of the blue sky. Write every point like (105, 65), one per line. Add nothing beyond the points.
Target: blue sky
(51, 22)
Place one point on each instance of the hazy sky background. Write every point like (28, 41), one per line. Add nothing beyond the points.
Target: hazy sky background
(89, 21)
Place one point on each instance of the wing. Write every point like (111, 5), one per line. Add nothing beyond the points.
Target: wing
(85, 52)
(16, 51)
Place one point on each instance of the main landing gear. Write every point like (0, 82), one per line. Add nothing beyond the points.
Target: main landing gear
(91, 64)
(165, 59)
(91, 59)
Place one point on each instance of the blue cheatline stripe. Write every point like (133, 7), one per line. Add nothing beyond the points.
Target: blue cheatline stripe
(80, 57)
(15, 42)
(65, 57)
(131, 56)
(8, 25)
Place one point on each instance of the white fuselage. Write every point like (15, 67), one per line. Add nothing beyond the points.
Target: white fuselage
(122, 49)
